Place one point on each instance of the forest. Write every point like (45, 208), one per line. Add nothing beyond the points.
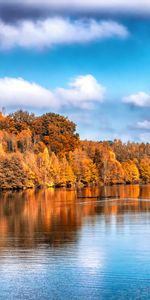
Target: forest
(46, 151)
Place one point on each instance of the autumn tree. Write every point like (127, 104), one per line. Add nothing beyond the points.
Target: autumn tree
(43, 164)
(144, 169)
(54, 170)
(19, 121)
(12, 173)
(67, 176)
(131, 172)
(83, 167)
(111, 171)
(24, 140)
(57, 133)
(46, 151)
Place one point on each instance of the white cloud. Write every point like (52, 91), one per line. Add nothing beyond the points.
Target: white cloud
(86, 5)
(144, 124)
(17, 92)
(57, 30)
(83, 92)
(140, 99)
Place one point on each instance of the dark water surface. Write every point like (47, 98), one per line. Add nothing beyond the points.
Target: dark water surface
(54, 245)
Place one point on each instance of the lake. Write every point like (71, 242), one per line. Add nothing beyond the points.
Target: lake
(64, 244)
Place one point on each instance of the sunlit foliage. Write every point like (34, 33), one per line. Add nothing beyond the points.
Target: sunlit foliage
(45, 151)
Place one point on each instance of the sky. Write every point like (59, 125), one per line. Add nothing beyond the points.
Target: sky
(87, 60)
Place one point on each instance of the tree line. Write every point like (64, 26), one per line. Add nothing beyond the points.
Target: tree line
(46, 151)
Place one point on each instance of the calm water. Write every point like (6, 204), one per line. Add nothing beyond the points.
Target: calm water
(54, 245)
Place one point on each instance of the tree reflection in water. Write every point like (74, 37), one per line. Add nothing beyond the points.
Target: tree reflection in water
(54, 217)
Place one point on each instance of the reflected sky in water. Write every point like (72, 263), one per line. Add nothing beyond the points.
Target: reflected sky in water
(64, 244)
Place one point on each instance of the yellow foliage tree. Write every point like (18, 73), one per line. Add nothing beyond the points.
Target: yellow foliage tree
(111, 171)
(67, 176)
(131, 172)
(43, 164)
(144, 168)
(54, 170)
(83, 167)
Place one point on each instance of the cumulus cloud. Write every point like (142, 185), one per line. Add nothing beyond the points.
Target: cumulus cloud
(140, 99)
(17, 92)
(143, 124)
(57, 30)
(82, 92)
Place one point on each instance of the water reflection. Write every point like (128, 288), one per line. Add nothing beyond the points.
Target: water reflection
(65, 244)
(54, 217)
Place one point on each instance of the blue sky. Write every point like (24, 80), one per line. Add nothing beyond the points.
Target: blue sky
(88, 64)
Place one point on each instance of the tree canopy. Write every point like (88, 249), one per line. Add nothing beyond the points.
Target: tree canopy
(46, 151)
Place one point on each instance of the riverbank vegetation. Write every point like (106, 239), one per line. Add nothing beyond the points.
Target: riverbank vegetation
(45, 151)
